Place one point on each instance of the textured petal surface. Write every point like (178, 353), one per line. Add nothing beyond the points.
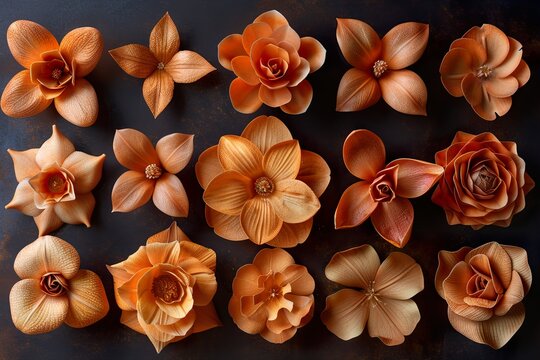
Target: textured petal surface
(21, 98)
(394, 220)
(164, 39)
(131, 191)
(404, 44)
(23, 200)
(227, 226)
(78, 104)
(158, 91)
(415, 177)
(291, 235)
(294, 201)
(301, 96)
(87, 300)
(134, 150)
(355, 206)
(404, 91)
(346, 313)
(86, 169)
(175, 151)
(357, 91)
(24, 163)
(391, 319)
(259, 220)
(399, 277)
(266, 131)
(78, 211)
(228, 192)
(239, 154)
(188, 66)
(208, 166)
(314, 171)
(170, 196)
(136, 60)
(82, 46)
(358, 42)
(27, 40)
(282, 161)
(355, 267)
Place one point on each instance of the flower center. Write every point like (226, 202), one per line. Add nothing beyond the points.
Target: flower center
(483, 72)
(166, 288)
(56, 73)
(152, 172)
(56, 183)
(485, 180)
(379, 68)
(264, 186)
(53, 284)
(161, 66)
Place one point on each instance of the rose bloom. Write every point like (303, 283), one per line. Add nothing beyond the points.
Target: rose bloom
(484, 181)
(484, 288)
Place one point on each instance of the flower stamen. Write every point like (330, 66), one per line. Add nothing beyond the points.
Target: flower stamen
(483, 72)
(56, 73)
(166, 288)
(56, 183)
(161, 66)
(264, 186)
(152, 172)
(379, 68)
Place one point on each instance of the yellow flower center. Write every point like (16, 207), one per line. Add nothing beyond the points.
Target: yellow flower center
(56, 183)
(379, 68)
(53, 284)
(56, 73)
(264, 186)
(483, 72)
(152, 172)
(166, 288)
(161, 66)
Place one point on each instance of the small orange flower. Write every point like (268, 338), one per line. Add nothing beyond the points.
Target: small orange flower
(53, 289)
(53, 72)
(484, 288)
(272, 297)
(161, 64)
(165, 288)
(151, 172)
(486, 67)
(261, 186)
(384, 191)
(55, 183)
(382, 299)
(379, 66)
(272, 63)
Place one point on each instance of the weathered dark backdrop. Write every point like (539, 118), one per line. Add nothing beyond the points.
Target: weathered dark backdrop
(204, 109)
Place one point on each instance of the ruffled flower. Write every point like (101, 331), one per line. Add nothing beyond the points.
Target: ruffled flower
(261, 186)
(271, 63)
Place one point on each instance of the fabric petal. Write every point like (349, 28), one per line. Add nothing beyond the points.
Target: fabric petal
(158, 91)
(359, 43)
(282, 161)
(355, 206)
(259, 220)
(357, 91)
(175, 151)
(87, 300)
(226, 226)
(244, 97)
(187, 66)
(78, 104)
(170, 196)
(86, 169)
(404, 44)
(415, 177)
(229, 48)
(404, 91)
(82, 46)
(136, 60)
(313, 51)
(131, 191)
(399, 277)
(27, 40)
(391, 319)
(164, 39)
(78, 211)
(346, 313)
(364, 154)
(241, 155)
(21, 98)
(301, 96)
(23, 200)
(266, 131)
(228, 192)
(293, 201)
(393, 221)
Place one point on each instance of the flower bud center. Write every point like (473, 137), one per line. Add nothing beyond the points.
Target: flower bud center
(56, 73)
(485, 180)
(152, 172)
(483, 72)
(56, 183)
(53, 284)
(161, 66)
(166, 288)
(264, 186)
(379, 68)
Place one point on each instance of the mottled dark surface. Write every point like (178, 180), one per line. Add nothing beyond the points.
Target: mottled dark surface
(204, 109)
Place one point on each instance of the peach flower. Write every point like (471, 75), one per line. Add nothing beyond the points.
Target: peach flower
(165, 288)
(271, 63)
(484, 181)
(52, 72)
(261, 186)
(383, 192)
(161, 64)
(484, 288)
(272, 297)
(53, 289)
(55, 183)
(486, 67)
(381, 298)
(151, 172)
(379, 66)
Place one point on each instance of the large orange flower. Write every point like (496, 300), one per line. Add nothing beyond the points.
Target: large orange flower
(261, 185)
(379, 66)
(486, 67)
(165, 288)
(272, 297)
(55, 183)
(383, 192)
(53, 72)
(382, 299)
(272, 63)
(484, 288)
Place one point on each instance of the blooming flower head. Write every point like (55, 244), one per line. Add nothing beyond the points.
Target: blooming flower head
(52, 72)
(55, 183)
(271, 63)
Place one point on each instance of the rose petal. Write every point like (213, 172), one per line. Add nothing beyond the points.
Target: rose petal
(187, 66)
(514, 294)
(391, 319)
(364, 154)
(254, 32)
(241, 65)
(208, 166)
(21, 98)
(266, 131)
(241, 155)
(228, 192)
(357, 91)
(500, 261)
(282, 161)
(87, 300)
(82, 46)
(313, 51)
(404, 91)
(259, 220)
(302, 94)
(286, 34)
(273, 18)
(134, 150)
(404, 44)
(447, 261)
(78, 104)
(346, 313)
(275, 97)
(522, 73)
(493, 40)
(86, 169)
(355, 206)
(359, 43)
(158, 91)
(456, 64)
(520, 264)
(136, 60)
(229, 48)
(272, 260)
(244, 97)
(131, 191)
(78, 211)
(293, 201)
(415, 177)
(399, 277)
(227, 226)
(355, 267)
(170, 196)
(23, 200)
(47, 221)
(174, 151)
(291, 235)
(27, 40)
(164, 39)
(393, 221)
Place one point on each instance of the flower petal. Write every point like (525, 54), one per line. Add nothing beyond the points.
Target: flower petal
(171, 234)
(21, 98)
(244, 97)
(393, 221)
(294, 201)
(291, 235)
(501, 87)
(23, 200)
(251, 325)
(274, 97)
(27, 40)
(24, 163)
(254, 32)
(134, 150)
(415, 177)
(136, 60)
(208, 166)
(164, 39)
(514, 294)
(522, 73)
(520, 264)
(241, 65)
(159, 253)
(359, 43)
(47, 221)
(447, 261)
(78, 104)
(364, 154)
(228, 192)
(175, 151)
(456, 64)
(357, 91)
(170, 196)
(82, 46)
(226, 226)
(55, 149)
(404, 44)
(187, 66)
(266, 131)
(346, 313)
(87, 300)
(206, 318)
(86, 169)
(204, 289)
(282, 161)
(355, 206)
(391, 319)
(499, 259)
(158, 91)
(204, 256)
(511, 62)
(355, 267)
(229, 48)
(259, 220)
(129, 318)
(273, 18)
(399, 277)
(486, 106)
(302, 94)
(404, 91)
(241, 155)
(272, 261)
(78, 211)
(131, 191)
(313, 51)
(493, 40)
(314, 171)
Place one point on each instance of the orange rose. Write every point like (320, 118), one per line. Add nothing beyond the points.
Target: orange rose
(484, 288)
(484, 181)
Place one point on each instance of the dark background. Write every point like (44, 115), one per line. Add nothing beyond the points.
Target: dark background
(204, 109)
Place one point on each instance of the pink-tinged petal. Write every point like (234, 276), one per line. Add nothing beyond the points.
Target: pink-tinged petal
(447, 261)
(393, 221)
(78, 211)
(404, 44)
(158, 91)
(228, 192)
(359, 43)
(170, 196)
(241, 65)
(27, 40)
(227, 226)
(23, 200)
(511, 62)
(244, 97)
(274, 97)
(131, 191)
(314, 171)
(313, 51)
(355, 267)
(346, 313)
(82, 46)
(175, 151)
(266, 131)
(86, 169)
(134, 150)
(229, 48)
(208, 166)
(357, 90)
(21, 98)
(259, 220)
(364, 154)
(302, 94)
(187, 66)
(241, 155)
(164, 39)
(282, 161)
(493, 40)
(404, 91)
(136, 60)
(391, 319)
(291, 235)
(47, 221)
(273, 18)
(293, 201)
(355, 206)
(456, 64)
(399, 277)
(24, 163)
(522, 73)
(254, 32)
(78, 104)
(501, 87)
(415, 177)
(55, 149)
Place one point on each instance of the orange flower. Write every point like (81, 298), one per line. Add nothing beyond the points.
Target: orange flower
(272, 63)
(484, 181)
(52, 71)
(53, 289)
(384, 191)
(382, 299)
(161, 64)
(165, 288)
(272, 297)
(55, 183)
(261, 186)
(379, 66)
(151, 172)
(484, 288)
(486, 67)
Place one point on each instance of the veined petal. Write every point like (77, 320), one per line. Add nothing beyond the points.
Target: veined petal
(227, 226)
(229, 48)
(244, 97)
(359, 43)
(313, 51)
(291, 235)
(355, 206)
(131, 191)
(294, 201)
(520, 264)
(357, 91)
(23, 200)
(204, 289)
(486, 106)
(282, 161)
(21, 98)
(27, 40)
(78, 103)
(187, 67)
(399, 277)
(158, 91)
(501, 87)
(87, 300)
(314, 171)
(134, 150)
(164, 39)
(404, 91)
(208, 166)
(404, 44)
(415, 177)
(86, 169)
(228, 192)
(129, 318)
(447, 261)
(393, 221)
(47, 221)
(301, 96)
(170, 196)
(159, 253)
(136, 60)
(205, 258)
(346, 313)
(24, 163)
(391, 319)
(241, 155)
(259, 220)
(266, 131)
(175, 151)
(82, 46)
(355, 267)
(364, 154)
(78, 211)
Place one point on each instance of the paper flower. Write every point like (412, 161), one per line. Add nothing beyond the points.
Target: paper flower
(383, 192)
(53, 289)
(161, 64)
(165, 288)
(55, 183)
(486, 67)
(484, 288)
(151, 172)
(272, 297)
(52, 72)
(379, 66)
(381, 298)
(261, 186)
(271, 63)
(484, 181)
